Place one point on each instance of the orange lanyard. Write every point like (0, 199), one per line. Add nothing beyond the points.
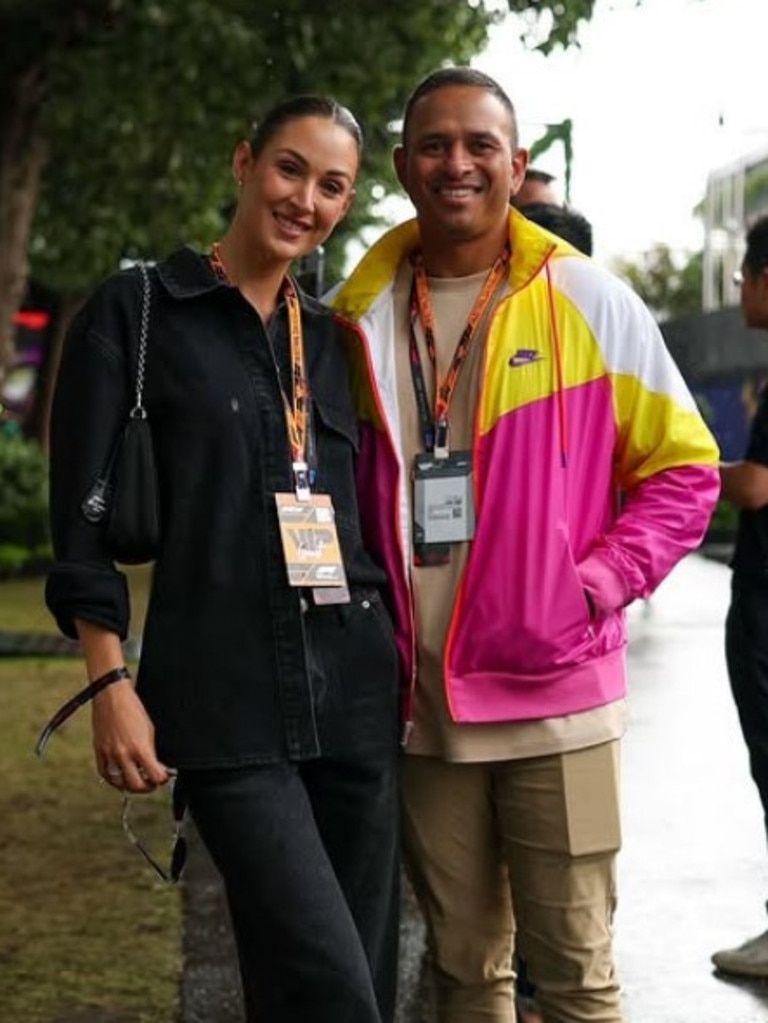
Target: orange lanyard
(435, 426)
(296, 409)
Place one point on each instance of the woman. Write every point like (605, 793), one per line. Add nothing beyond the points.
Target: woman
(276, 703)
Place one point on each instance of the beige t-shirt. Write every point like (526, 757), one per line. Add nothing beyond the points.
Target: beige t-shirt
(435, 587)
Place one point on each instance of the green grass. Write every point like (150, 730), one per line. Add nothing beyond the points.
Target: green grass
(86, 932)
(22, 602)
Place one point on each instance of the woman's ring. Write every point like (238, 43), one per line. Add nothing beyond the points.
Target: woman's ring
(114, 772)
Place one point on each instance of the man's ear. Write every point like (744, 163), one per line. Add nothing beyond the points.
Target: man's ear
(399, 160)
(519, 166)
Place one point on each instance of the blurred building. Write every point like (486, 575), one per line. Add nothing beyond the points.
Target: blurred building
(737, 193)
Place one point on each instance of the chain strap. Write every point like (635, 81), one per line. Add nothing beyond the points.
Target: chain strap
(138, 411)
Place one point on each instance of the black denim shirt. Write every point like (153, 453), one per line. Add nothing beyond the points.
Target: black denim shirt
(223, 669)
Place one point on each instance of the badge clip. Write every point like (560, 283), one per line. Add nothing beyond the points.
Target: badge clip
(301, 481)
(441, 439)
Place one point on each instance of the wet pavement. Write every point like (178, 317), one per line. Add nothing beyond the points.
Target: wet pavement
(693, 873)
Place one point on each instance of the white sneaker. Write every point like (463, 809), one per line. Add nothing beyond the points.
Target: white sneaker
(748, 960)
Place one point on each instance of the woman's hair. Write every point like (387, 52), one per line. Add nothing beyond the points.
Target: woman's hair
(302, 106)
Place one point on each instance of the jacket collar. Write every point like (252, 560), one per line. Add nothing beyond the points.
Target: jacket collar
(531, 248)
(188, 274)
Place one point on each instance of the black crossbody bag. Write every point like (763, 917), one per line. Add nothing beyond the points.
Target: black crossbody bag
(125, 498)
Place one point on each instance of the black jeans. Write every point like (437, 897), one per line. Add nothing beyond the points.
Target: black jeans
(746, 653)
(309, 851)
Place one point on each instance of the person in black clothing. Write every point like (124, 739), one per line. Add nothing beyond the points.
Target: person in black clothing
(273, 699)
(745, 484)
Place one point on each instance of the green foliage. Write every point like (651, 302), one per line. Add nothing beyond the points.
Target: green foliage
(666, 286)
(552, 23)
(561, 132)
(23, 495)
(142, 117)
(756, 190)
(724, 522)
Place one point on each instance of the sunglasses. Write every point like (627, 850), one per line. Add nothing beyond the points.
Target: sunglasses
(178, 795)
(178, 858)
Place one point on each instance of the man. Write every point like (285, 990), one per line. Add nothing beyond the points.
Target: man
(563, 221)
(509, 564)
(537, 186)
(746, 630)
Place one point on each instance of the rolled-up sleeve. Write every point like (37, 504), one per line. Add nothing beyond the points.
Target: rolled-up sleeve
(89, 408)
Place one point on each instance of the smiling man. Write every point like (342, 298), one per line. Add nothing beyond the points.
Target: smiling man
(515, 390)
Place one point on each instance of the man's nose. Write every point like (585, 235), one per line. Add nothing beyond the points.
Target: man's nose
(458, 159)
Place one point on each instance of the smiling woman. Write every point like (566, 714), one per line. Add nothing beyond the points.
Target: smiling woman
(267, 684)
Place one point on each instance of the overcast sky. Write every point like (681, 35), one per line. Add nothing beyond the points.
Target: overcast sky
(659, 95)
(646, 92)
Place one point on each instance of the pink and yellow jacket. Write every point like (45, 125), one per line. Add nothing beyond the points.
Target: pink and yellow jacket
(594, 474)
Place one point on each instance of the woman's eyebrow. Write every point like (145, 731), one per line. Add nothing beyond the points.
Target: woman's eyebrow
(296, 155)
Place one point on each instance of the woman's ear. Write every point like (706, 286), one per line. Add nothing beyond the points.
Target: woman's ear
(241, 161)
(347, 205)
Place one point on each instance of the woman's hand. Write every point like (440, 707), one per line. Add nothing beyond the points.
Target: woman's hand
(124, 741)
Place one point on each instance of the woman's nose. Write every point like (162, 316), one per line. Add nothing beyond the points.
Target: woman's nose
(304, 196)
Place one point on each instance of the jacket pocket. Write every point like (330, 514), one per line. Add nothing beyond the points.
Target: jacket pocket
(337, 441)
(527, 613)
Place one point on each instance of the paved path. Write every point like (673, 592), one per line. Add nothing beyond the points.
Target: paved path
(693, 873)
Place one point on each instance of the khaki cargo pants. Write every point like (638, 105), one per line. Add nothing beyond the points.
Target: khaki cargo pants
(517, 853)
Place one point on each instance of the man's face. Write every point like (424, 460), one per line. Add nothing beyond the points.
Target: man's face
(754, 296)
(458, 164)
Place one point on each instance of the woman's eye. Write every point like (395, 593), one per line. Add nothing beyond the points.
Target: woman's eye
(291, 169)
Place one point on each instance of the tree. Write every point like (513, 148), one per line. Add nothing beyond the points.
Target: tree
(116, 115)
(668, 286)
(561, 20)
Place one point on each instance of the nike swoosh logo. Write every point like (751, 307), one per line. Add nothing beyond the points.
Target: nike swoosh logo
(525, 356)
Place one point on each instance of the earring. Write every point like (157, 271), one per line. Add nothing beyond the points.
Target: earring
(239, 182)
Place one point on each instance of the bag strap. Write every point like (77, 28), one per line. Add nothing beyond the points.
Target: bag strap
(138, 411)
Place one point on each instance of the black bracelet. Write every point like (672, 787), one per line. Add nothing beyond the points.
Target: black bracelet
(68, 709)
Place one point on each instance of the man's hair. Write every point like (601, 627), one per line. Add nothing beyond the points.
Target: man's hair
(562, 221)
(296, 107)
(534, 174)
(756, 256)
(460, 75)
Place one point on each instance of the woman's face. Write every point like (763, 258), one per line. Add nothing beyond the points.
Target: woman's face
(298, 187)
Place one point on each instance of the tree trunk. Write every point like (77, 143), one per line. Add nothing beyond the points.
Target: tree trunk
(63, 315)
(22, 158)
